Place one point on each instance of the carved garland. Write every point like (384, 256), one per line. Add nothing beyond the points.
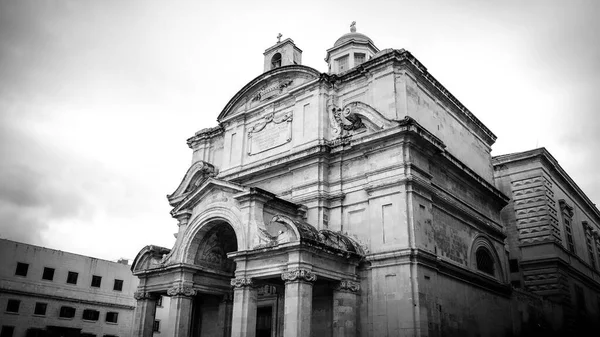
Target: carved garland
(348, 285)
(268, 118)
(143, 295)
(181, 290)
(241, 282)
(299, 275)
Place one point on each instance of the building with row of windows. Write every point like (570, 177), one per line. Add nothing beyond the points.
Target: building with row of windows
(47, 292)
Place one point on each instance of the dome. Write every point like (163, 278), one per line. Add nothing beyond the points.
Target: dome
(352, 36)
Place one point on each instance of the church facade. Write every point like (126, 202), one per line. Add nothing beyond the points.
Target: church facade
(357, 202)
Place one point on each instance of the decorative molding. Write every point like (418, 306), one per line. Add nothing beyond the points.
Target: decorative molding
(144, 295)
(181, 290)
(264, 144)
(241, 282)
(348, 286)
(299, 274)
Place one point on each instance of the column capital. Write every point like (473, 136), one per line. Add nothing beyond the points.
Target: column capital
(181, 290)
(299, 274)
(348, 285)
(241, 282)
(144, 295)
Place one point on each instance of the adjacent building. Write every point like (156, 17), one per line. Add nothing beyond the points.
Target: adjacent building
(47, 292)
(553, 237)
(357, 202)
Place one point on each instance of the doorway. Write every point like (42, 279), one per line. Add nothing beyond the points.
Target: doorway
(264, 320)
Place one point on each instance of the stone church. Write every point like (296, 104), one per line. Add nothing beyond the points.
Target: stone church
(357, 202)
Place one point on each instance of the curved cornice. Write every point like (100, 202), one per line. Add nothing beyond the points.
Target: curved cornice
(300, 69)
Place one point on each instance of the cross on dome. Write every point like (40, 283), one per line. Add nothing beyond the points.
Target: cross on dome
(353, 27)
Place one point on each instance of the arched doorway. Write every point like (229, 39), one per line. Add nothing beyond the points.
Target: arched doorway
(212, 309)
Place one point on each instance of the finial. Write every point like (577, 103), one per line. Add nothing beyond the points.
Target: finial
(279, 37)
(353, 27)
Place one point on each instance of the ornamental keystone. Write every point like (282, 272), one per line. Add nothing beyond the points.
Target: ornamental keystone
(299, 275)
(240, 282)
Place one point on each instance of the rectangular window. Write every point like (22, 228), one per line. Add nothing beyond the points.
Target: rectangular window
(72, 277)
(40, 309)
(156, 326)
(22, 269)
(112, 317)
(13, 306)
(7, 331)
(118, 286)
(159, 301)
(67, 312)
(359, 59)
(91, 315)
(569, 234)
(48, 274)
(342, 63)
(96, 281)
(589, 243)
(513, 265)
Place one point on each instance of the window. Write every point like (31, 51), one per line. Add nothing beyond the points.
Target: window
(48, 274)
(72, 277)
(90, 315)
(359, 59)
(569, 234)
(485, 263)
(513, 265)
(159, 301)
(40, 309)
(118, 286)
(96, 281)
(342, 63)
(67, 312)
(589, 242)
(112, 317)
(7, 331)
(13, 306)
(156, 326)
(22, 269)
(276, 61)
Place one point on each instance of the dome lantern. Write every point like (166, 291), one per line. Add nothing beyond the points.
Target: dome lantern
(349, 51)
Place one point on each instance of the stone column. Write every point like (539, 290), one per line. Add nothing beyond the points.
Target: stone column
(298, 302)
(225, 310)
(243, 320)
(143, 315)
(345, 306)
(180, 311)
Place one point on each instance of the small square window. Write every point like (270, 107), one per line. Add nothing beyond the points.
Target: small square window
(342, 63)
(22, 269)
(91, 315)
(48, 274)
(72, 277)
(7, 331)
(156, 326)
(13, 306)
(67, 312)
(112, 317)
(359, 59)
(40, 309)
(96, 281)
(118, 286)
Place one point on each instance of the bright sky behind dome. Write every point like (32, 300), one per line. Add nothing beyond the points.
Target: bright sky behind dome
(97, 98)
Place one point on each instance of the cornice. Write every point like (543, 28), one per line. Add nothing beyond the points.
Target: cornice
(204, 134)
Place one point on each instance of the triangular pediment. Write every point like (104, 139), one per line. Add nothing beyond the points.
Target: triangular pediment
(268, 87)
(210, 187)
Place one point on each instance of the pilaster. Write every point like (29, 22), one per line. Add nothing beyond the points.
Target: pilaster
(243, 321)
(298, 302)
(180, 311)
(143, 316)
(345, 306)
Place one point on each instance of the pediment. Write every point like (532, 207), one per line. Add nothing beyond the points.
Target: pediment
(195, 176)
(211, 190)
(268, 87)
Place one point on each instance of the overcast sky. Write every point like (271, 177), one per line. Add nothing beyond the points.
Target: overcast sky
(97, 98)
